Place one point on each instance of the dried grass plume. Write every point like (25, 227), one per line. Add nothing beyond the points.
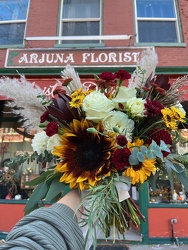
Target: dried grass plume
(24, 100)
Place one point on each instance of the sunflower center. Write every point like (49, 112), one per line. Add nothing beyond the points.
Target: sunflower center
(137, 167)
(168, 118)
(89, 155)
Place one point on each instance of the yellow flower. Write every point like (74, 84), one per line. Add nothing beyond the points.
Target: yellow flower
(141, 172)
(178, 115)
(76, 93)
(77, 101)
(169, 119)
(136, 143)
(86, 157)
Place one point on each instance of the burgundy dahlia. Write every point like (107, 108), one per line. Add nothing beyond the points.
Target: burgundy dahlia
(122, 75)
(121, 140)
(153, 107)
(121, 158)
(108, 76)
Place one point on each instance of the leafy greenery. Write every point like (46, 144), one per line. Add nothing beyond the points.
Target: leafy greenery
(103, 209)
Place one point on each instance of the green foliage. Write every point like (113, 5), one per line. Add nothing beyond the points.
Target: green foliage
(103, 209)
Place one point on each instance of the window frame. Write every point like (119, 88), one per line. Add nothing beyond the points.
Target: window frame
(16, 21)
(175, 19)
(62, 20)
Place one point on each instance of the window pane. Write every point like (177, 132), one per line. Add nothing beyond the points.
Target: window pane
(81, 9)
(13, 9)
(12, 33)
(80, 29)
(158, 8)
(157, 32)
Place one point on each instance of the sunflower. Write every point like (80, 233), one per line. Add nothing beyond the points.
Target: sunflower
(140, 173)
(76, 101)
(178, 115)
(86, 156)
(169, 119)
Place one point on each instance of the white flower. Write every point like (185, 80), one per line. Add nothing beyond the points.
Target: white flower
(180, 107)
(124, 94)
(136, 107)
(97, 106)
(120, 120)
(39, 142)
(53, 141)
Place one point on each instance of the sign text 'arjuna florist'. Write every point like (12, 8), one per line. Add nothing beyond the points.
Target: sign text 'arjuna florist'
(21, 58)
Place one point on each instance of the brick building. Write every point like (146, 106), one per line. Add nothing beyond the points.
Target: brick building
(39, 38)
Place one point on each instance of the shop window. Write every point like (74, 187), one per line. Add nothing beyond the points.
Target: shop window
(15, 142)
(80, 18)
(156, 21)
(13, 16)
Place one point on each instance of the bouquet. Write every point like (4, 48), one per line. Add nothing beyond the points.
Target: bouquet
(102, 138)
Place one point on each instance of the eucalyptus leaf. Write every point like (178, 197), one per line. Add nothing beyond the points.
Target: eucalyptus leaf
(56, 188)
(155, 149)
(38, 194)
(153, 179)
(174, 166)
(141, 157)
(183, 179)
(144, 150)
(164, 147)
(169, 166)
(133, 160)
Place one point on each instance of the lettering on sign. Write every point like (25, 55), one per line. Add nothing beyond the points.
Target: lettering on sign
(79, 58)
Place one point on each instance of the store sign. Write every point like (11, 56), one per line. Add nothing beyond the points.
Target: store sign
(22, 58)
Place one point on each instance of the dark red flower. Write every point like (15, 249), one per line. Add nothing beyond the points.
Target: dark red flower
(121, 140)
(44, 117)
(158, 135)
(153, 107)
(52, 128)
(106, 76)
(121, 158)
(122, 75)
(60, 109)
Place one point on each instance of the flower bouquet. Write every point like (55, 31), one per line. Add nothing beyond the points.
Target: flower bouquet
(119, 131)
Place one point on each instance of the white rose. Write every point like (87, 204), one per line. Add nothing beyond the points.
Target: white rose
(120, 120)
(53, 141)
(39, 143)
(124, 94)
(180, 107)
(97, 106)
(136, 107)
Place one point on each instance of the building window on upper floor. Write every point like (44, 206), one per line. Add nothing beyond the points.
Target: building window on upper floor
(80, 18)
(157, 21)
(13, 16)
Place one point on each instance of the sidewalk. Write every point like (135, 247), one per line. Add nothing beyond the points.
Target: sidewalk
(157, 247)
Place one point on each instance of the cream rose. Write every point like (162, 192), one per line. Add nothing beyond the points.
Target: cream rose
(124, 94)
(97, 106)
(121, 121)
(136, 107)
(53, 141)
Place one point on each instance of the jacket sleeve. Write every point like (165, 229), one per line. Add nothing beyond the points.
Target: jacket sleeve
(53, 228)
